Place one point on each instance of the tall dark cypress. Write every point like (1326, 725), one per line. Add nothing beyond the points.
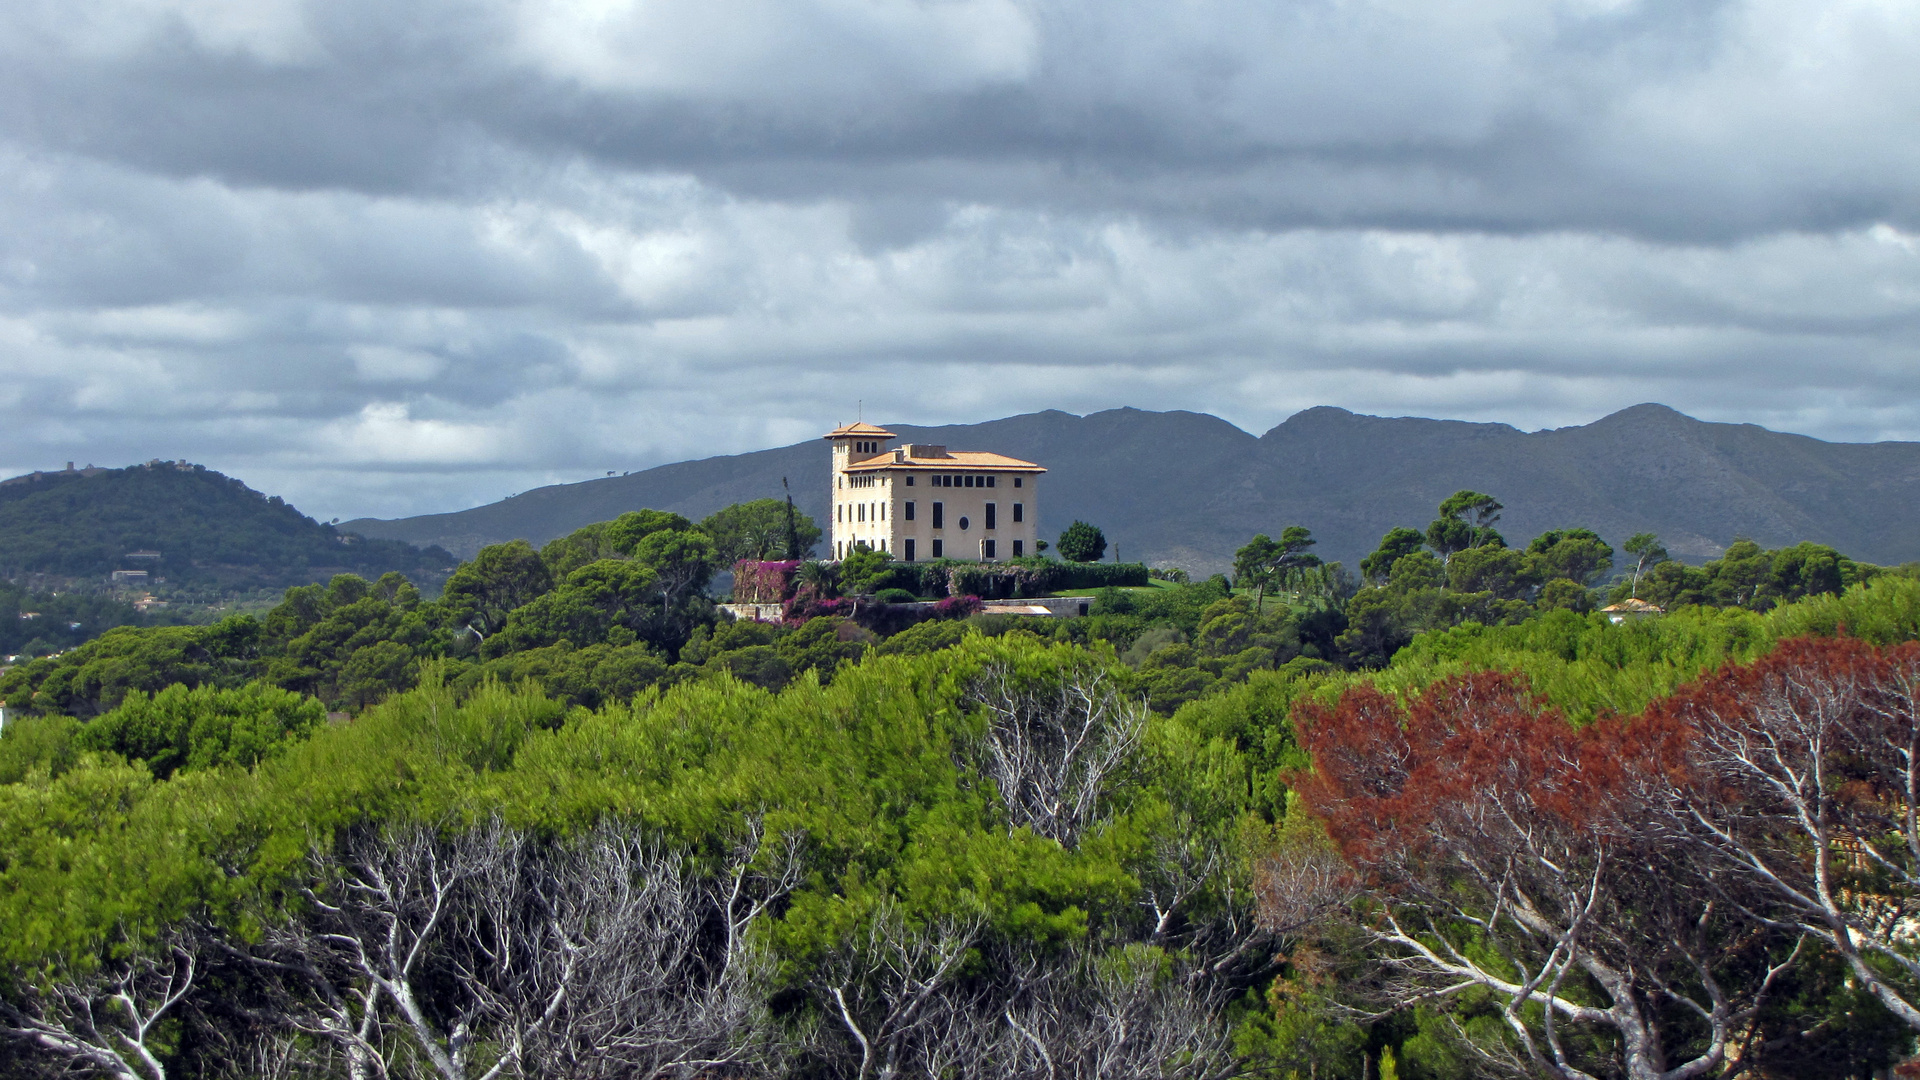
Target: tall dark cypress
(793, 528)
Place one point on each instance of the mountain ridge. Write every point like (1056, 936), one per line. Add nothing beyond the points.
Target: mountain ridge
(183, 523)
(1186, 488)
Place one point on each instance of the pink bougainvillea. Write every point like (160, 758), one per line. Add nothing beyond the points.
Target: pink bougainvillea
(756, 582)
(957, 607)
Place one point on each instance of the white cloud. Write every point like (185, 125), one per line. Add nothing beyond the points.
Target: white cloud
(774, 51)
(405, 258)
(386, 433)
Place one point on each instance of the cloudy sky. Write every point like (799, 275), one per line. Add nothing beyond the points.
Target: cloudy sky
(400, 256)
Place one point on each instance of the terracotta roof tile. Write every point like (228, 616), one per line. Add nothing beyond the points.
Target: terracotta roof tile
(1634, 604)
(956, 459)
(860, 430)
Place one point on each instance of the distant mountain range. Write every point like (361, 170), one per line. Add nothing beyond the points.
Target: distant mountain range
(1186, 489)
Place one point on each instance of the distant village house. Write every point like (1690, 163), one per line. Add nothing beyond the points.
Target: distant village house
(1630, 610)
(32, 477)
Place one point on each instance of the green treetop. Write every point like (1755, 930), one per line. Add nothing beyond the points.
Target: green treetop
(758, 530)
(1082, 542)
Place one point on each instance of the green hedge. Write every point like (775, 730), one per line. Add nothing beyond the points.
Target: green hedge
(1099, 575)
(1008, 580)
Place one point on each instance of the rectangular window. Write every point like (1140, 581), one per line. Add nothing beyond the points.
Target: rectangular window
(909, 509)
(883, 511)
(970, 481)
(989, 481)
(909, 551)
(939, 516)
(986, 549)
(861, 512)
(909, 481)
(936, 549)
(946, 481)
(1019, 512)
(990, 516)
(1016, 481)
(1016, 548)
(836, 513)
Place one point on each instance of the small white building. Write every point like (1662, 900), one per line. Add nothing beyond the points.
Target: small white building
(1630, 610)
(919, 502)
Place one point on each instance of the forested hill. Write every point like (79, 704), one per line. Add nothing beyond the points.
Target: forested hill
(206, 527)
(1188, 489)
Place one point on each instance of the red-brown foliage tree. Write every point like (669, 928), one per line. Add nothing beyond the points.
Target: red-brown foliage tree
(1805, 772)
(1507, 852)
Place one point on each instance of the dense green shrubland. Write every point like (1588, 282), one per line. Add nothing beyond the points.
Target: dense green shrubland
(214, 808)
(882, 786)
(833, 808)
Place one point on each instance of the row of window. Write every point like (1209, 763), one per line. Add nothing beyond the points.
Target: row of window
(963, 480)
(959, 480)
(993, 513)
(988, 550)
(845, 512)
(851, 512)
(866, 448)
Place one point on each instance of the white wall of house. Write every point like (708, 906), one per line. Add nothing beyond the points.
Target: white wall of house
(919, 503)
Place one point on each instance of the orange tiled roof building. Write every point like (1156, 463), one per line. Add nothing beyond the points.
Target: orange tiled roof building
(919, 502)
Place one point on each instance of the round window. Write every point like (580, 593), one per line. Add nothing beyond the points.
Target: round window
(963, 524)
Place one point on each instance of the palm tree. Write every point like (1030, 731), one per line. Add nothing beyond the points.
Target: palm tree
(816, 579)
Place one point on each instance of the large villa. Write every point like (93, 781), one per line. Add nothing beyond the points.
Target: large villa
(927, 502)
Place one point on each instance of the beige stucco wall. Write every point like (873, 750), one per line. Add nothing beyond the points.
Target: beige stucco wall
(872, 511)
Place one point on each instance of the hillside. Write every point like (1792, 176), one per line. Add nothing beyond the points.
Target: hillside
(208, 529)
(1187, 488)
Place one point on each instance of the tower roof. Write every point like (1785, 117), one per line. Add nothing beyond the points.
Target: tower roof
(860, 430)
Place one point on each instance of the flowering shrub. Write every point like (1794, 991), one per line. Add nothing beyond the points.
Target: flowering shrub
(957, 607)
(801, 608)
(756, 582)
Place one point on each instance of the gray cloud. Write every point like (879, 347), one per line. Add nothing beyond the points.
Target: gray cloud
(398, 258)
